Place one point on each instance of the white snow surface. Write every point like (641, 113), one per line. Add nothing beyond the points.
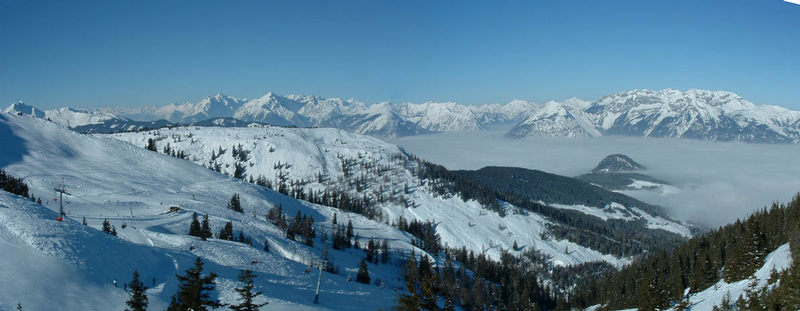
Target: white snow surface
(302, 154)
(45, 262)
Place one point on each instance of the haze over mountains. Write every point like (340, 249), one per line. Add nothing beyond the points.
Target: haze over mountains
(695, 114)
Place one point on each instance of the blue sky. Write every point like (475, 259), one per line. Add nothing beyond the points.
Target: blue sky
(132, 53)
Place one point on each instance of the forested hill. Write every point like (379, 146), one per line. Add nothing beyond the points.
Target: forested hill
(728, 255)
(551, 188)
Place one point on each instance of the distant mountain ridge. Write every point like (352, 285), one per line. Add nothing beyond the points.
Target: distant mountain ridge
(694, 114)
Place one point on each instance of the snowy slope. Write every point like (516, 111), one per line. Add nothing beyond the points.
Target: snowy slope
(127, 184)
(316, 159)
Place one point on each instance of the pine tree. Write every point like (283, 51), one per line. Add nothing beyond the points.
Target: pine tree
(428, 292)
(246, 294)
(349, 231)
(194, 290)
(371, 250)
(151, 145)
(226, 233)
(19, 306)
(363, 274)
(108, 228)
(205, 229)
(84, 221)
(194, 227)
(334, 219)
(137, 297)
(266, 245)
(410, 301)
(235, 204)
(384, 252)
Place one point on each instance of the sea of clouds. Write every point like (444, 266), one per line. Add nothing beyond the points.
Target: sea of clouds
(718, 181)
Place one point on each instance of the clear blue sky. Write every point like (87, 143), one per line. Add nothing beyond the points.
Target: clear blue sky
(130, 53)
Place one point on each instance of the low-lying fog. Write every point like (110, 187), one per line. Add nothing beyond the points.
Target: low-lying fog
(718, 181)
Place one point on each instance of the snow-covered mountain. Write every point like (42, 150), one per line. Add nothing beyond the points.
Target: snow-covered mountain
(698, 114)
(332, 161)
(555, 119)
(207, 108)
(695, 114)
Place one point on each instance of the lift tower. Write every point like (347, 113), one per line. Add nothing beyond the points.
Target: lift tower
(62, 190)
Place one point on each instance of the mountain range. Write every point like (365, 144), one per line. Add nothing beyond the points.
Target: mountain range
(695, 114)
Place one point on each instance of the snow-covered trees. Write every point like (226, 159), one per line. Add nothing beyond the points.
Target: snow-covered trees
(137, 297)
(108, 228)
(246, 294)
(194, 290)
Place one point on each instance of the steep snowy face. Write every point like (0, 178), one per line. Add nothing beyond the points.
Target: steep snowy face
(514, 111)
(210, 107)
(698, 114)
(440, 117)
(378, 120)
(320, 109)
(555, 119)
(273, 109)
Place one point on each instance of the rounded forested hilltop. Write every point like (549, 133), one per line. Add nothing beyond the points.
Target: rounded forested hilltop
(617, 163)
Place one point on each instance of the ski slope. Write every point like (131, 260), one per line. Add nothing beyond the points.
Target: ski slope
(45, 262)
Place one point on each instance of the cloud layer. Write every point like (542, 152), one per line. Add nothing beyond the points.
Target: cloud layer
(718, 181)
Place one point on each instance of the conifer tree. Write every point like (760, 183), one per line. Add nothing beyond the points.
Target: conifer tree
(151, 145)
(226, 233)
(205, 228)
(246, 293)
(235, 204)
(194, 290)
(410, 301)
(137, 297)
(384, 252)
(349, 231)
(194, 227)
(266, 245)
(363, 274)
(84, 221)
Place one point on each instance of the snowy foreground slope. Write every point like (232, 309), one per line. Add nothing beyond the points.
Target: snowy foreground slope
(45, 262)
(320, 159)
(779, 260)
(127, 184)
